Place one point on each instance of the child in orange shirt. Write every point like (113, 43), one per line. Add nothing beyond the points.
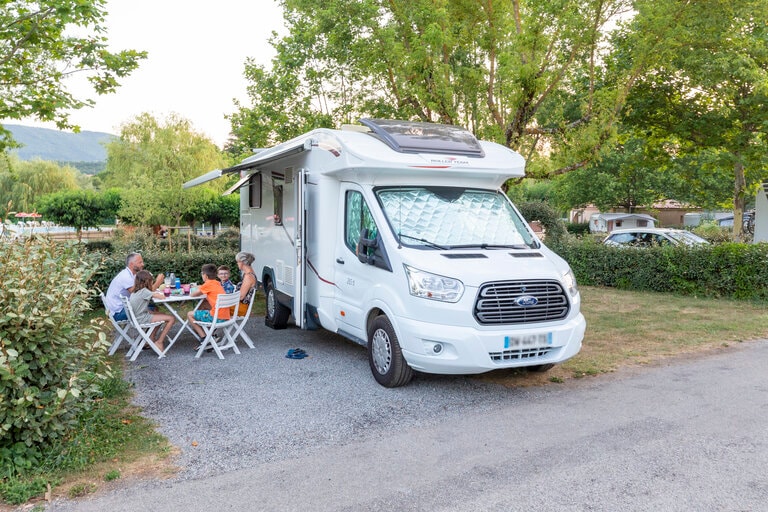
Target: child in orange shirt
(211, 288)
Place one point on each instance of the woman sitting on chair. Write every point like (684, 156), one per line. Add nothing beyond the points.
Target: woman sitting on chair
(248, 284)
(140, 297)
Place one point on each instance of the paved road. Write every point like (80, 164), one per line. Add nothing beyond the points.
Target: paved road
(690, 435)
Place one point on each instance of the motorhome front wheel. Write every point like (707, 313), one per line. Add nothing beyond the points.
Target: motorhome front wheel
(385, 356)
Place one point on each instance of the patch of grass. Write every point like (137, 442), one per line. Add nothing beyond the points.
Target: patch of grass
(112, 475)
(110, 440)
(631, 328)
(626, 328)
(82, 489)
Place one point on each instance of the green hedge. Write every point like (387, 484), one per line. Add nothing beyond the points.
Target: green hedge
(186, 265)
(728, 270)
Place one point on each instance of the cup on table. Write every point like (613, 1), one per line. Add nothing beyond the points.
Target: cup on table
(185, 287)
(167, 291)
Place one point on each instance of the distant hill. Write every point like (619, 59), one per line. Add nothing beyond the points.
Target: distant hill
(84, 150)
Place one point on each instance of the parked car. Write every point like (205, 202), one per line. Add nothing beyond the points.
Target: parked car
(646, 237)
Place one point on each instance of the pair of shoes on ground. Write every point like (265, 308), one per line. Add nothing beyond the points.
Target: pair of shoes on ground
(296, 353)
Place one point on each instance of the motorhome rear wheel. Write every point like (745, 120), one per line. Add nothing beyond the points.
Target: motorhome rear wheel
(277, 314)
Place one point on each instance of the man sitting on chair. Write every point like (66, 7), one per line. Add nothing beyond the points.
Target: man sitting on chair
(122, 285)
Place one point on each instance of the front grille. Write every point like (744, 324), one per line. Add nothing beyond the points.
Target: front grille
(496, 303)
(518, 354)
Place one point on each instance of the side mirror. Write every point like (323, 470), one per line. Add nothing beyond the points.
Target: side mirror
(363, 246)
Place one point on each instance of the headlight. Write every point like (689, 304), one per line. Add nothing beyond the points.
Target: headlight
(432, 286)
(570, 282)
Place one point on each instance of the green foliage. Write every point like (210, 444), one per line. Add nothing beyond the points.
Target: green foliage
(44, 43)
(727, 270)
(151, 160)
(705, 100)
(89, 168)
(544, 213)
(50, 364)
(577, 228)
(24, 182)
(523, 74)
(15, 490)
(80, 209)
(220, 250)
(113, 474)
(714, 233)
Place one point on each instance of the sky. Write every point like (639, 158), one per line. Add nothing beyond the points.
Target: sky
(197, 50)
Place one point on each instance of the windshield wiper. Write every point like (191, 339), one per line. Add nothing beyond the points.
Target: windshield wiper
(495, 246)
(431, 244)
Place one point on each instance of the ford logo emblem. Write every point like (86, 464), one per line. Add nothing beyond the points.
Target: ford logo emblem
(527, 300)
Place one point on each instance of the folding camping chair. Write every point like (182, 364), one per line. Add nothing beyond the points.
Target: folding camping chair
(240, 326)
(144, 335)
(121, 328)
(223, 301)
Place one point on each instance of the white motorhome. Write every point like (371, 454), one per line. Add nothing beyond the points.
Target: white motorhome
(397, 236)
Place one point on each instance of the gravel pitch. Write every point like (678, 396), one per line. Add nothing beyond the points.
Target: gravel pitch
(260, 406)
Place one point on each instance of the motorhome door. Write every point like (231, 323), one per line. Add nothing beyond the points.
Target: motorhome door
(299, 302)
(353, 278)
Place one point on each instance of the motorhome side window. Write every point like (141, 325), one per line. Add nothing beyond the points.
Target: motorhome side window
(358, 217)
(277, 190)
(254, 188)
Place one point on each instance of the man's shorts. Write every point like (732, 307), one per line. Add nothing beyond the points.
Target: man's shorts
(205, 316)
(120, 316)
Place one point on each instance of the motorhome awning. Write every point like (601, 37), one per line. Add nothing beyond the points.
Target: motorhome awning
(239, 184)
(257, 162)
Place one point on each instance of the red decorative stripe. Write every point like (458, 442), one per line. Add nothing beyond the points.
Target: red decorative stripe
(309, 264)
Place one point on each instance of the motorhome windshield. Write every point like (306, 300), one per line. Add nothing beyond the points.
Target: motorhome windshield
(453, 217)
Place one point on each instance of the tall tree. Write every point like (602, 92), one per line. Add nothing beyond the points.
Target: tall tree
(532, 74)
(709, 96)
(151, 161)
(43, 43)
(23, 182)
(77, 208)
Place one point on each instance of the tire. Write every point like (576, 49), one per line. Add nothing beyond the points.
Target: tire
(385, 355)
(277, 314)
(540, 368)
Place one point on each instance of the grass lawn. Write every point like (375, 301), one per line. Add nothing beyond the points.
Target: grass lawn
(623, 329)
(626, 328)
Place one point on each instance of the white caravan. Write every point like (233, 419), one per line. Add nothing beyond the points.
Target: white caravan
(396, 235)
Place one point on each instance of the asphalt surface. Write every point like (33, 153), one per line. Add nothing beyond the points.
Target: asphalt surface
(258, 431)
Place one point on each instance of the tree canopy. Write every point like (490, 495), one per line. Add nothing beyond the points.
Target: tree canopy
(654, 98)
(151, 160)
(23, 182)
(40, 50)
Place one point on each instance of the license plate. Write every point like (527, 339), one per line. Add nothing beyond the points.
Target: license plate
(528, 341)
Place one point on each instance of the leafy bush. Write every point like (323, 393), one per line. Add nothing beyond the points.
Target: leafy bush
(219, 250)
(728, 270)
(714, 233)
(544, 213)
(577, 228)
(143, 239)
(50, 360)
(186, 265)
